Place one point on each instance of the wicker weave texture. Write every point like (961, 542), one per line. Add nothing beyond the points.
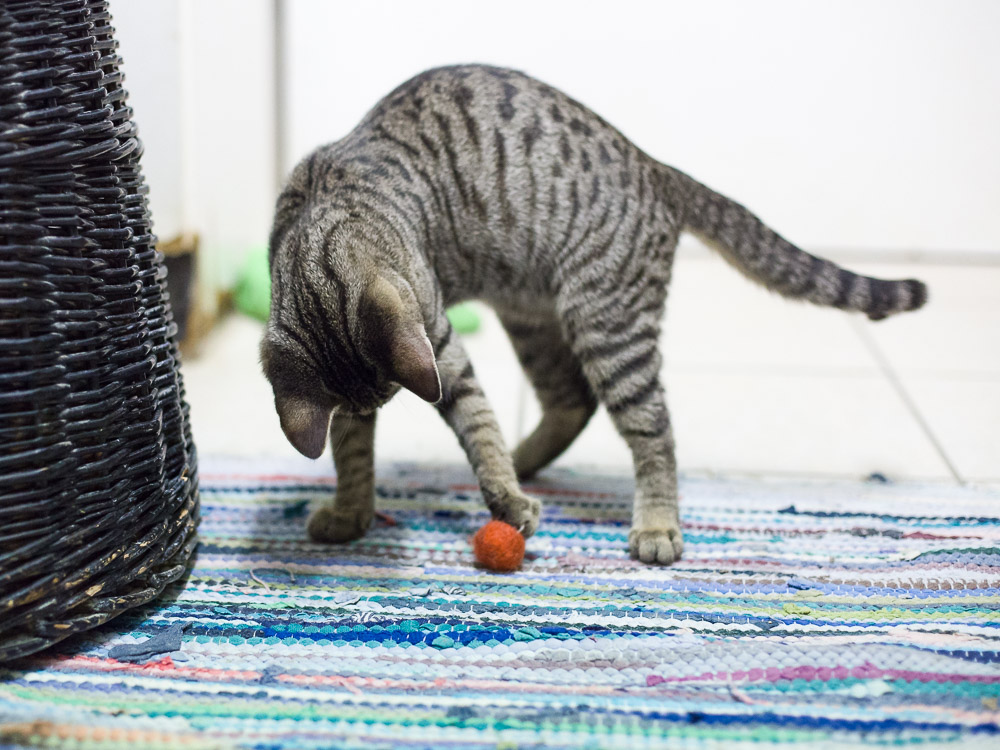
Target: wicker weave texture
(98, 483)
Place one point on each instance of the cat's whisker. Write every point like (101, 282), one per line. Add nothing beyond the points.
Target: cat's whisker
(344, 432)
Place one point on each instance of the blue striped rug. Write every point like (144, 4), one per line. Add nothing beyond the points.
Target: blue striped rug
(802, 613)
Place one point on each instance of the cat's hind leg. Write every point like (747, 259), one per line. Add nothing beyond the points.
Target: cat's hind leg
(563, 392)
(350, 513)
(618, 347)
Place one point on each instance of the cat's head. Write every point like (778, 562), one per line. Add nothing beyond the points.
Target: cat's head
(343, 335)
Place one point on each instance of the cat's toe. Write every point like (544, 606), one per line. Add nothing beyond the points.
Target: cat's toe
(656, 546)
(334, 525)
(520, 511)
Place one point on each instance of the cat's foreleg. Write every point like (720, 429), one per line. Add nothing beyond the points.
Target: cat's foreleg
(350, 513)
(465, 408)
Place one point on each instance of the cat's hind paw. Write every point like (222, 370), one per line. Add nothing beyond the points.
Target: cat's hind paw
(656, 546)
(333, 525)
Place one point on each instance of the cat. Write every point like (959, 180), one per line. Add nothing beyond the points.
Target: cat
(477, 182)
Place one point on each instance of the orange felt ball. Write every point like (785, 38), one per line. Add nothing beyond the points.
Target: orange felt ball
(499, 546)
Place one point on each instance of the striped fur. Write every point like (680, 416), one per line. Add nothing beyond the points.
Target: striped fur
(479, 182)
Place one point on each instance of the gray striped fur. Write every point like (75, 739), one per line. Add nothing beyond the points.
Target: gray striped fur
(474, 182)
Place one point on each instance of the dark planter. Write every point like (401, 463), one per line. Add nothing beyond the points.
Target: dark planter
(98, 480)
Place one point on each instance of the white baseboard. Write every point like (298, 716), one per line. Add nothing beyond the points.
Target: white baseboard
(690, 247)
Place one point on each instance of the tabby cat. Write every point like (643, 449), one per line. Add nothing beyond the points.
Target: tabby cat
(476, 182)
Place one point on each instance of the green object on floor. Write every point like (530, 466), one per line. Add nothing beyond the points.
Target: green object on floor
(252, 295)
(464, 318)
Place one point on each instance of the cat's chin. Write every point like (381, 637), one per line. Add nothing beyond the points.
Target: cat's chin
(362, 411)
(368, 410)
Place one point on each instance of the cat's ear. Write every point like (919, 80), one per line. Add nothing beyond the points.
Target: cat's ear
(413, 364)
(304, 423)
(402, 343)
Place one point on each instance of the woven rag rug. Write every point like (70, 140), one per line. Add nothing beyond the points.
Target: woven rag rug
(813, 614)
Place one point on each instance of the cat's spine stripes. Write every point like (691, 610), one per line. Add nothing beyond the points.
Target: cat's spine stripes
(500, 151)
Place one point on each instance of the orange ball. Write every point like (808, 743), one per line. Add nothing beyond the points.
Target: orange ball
(499, 546)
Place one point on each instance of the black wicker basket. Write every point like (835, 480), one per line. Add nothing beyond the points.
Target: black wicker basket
(98, 483)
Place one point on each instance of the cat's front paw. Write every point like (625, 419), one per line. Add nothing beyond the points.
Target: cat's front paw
(519, 510)
(660, 546)
(334, 525)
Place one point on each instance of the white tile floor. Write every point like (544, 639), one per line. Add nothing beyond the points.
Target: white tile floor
(755, 385)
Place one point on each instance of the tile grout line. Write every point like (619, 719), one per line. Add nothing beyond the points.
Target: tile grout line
(896, 382)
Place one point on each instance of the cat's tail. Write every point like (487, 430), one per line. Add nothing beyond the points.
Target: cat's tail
(769, 259)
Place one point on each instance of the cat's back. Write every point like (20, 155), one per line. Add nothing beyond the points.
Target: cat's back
(483, 92)
(515, 149)
(477, 104)
(498, 177)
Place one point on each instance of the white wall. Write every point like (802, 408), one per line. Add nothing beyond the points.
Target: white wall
(149, 38)
(229, 186)
(200, 80)
(845, 124)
